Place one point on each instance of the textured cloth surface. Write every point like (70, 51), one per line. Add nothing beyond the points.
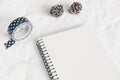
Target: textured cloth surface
(21, 60)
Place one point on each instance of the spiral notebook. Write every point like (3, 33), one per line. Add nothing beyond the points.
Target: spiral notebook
(76, 54)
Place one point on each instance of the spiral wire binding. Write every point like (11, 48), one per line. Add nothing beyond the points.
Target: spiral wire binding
(47, 60)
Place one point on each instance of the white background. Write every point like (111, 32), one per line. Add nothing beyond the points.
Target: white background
(101, 15)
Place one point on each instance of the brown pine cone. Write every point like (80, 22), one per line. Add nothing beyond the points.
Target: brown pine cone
(75, 8)
(56, 10)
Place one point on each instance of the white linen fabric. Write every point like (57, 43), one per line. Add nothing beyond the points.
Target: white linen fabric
(21, 61)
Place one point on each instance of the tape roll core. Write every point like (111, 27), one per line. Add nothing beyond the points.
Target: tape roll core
(22, 31)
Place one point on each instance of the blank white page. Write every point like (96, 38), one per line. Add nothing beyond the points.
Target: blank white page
(78, 55)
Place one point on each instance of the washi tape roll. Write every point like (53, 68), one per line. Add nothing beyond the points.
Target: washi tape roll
(18, 30)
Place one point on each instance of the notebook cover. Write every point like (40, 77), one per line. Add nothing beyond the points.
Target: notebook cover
(78, 55)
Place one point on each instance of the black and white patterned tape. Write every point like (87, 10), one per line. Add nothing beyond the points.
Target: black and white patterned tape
(18, 29)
